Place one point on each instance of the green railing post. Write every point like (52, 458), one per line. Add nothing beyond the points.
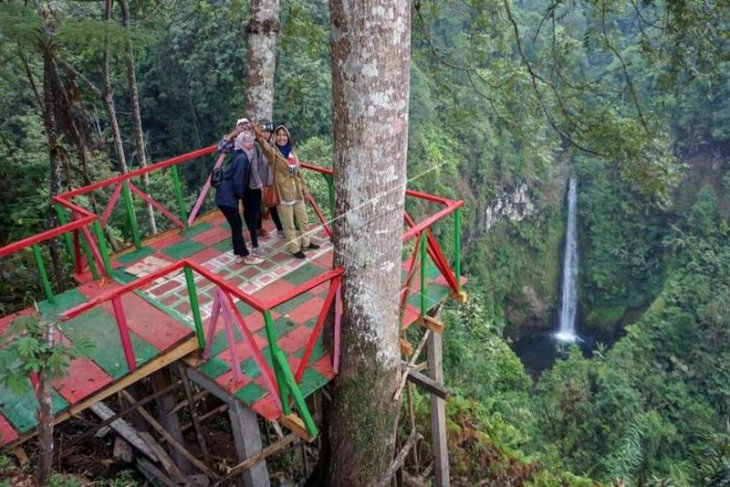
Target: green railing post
(179, 195)
(127, 194)
(457, 247)
(273, 347)
(66, 236)
(193, 295)
(103, 248)
(42, 271)
(331, 192)
(424, 262)
(88, 254)
(296, 393)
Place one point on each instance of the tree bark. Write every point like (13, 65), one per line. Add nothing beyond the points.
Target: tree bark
(136, 112)
(370, 81)
(262, 31)
(108, 97)
(45, 418)
(50, 84)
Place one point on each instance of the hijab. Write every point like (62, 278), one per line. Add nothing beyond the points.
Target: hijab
(284, 149)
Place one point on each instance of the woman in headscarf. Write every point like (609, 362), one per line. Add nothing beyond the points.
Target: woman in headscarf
(292, 190)
(233, 188)
(259, 175)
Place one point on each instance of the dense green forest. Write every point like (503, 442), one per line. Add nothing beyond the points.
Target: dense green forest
(631, 98)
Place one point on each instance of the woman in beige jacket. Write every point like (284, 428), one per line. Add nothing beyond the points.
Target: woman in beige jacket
(291, 187)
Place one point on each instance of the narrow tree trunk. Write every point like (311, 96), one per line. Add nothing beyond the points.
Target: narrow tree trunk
(45, 418)
(50, 81)
(262, 31)
(136, 112)
(109, 97)
(370, 81)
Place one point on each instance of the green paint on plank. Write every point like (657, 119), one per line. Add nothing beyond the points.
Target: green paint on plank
(224, 245)
(304, 274)
(196, 229)
(292, 303)
(136, 255)
(317, 352)
(249, 368)
(250, 393)
(214, 368)
(100, 328)
(21, 409)
(63, 301)
(122, 277)
(220, 340)
(183, 249)
(311, 381)
(282, 326)
(434, 295)
(245, 309)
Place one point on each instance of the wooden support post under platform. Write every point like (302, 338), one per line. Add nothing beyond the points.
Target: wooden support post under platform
(247, 436)
(166, 403)
(245, 427)
(438, 414)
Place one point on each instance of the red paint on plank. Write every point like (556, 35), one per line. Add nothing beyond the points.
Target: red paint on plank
(212, 236)
(228, 382)
(410, 316)
(267, 407)
(152, 325)
(7, 432)
(5, 321)
(306, 311)
(163, 243)
(295, 340)
(83, 378)
(324, 366)
(242, 349)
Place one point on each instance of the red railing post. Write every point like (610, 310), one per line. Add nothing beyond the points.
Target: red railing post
(124, 333)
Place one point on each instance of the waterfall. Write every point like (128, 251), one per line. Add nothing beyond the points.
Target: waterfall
(568, 303)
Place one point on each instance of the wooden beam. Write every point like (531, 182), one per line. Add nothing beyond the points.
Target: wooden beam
(439, 444)
(405, 347)
(433, 324)
(295, 424)
(171, 441)
(428, 384)
(400, 458)
(460, 297)
(186, 347)
(124, 429)
(259, 457)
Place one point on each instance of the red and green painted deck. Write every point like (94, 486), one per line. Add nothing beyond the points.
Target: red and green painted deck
(257, 330)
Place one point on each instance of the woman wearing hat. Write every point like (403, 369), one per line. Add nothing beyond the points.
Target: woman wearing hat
(292, 189)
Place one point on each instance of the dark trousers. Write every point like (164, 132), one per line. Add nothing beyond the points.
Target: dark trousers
(252, 213)
(274, 216)
(234, 220)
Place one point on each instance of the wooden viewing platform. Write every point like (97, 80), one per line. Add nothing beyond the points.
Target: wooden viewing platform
(254, 333)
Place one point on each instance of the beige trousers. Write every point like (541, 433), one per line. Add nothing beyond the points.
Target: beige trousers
(296, 239)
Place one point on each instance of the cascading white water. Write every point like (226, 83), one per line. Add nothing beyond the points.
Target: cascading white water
(568, 303)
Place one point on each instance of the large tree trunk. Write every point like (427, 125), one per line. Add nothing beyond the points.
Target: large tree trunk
(136, 112)
(261, 34)
(370, 81)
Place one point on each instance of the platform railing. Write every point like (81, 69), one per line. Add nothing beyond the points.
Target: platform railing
(281, 382)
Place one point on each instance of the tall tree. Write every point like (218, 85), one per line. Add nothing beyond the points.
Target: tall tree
(370, 83)
(136, 112)
(261, 33)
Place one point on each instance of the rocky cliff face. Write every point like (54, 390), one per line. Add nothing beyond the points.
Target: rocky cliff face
(509, 204)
